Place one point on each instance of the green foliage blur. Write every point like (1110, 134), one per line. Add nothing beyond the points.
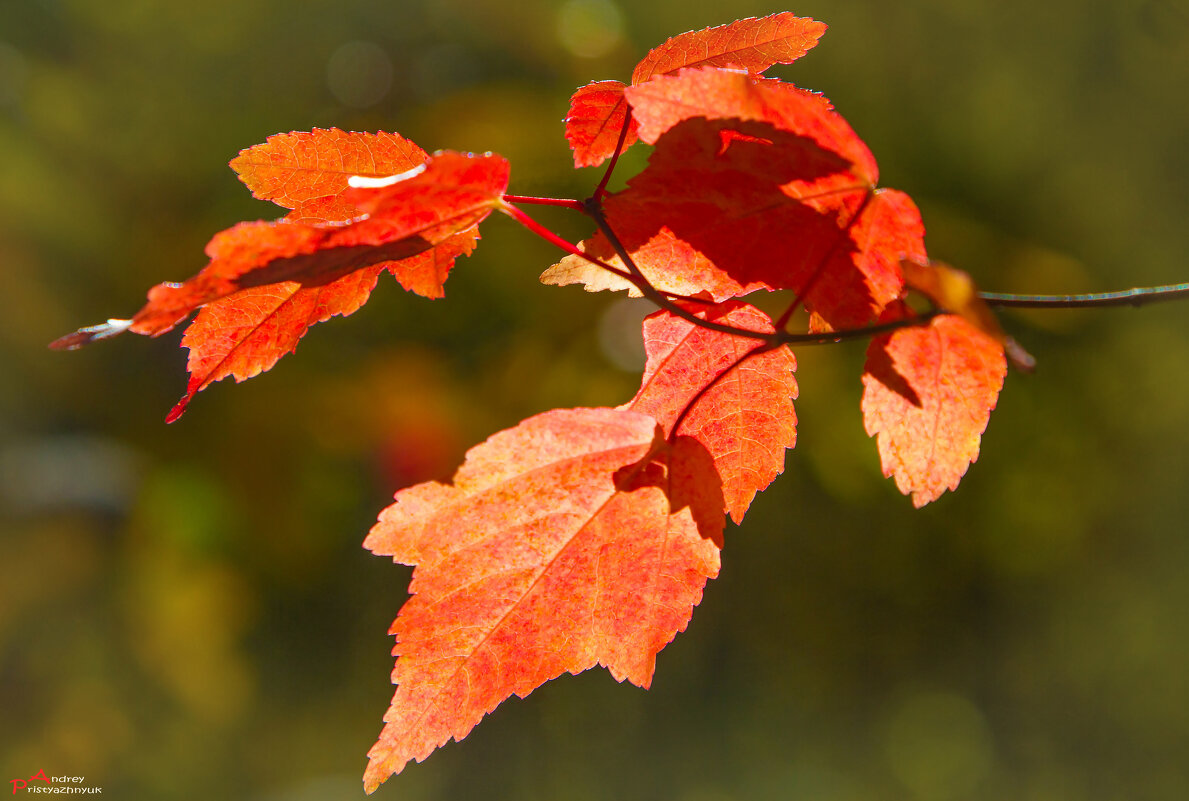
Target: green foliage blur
(186, 611)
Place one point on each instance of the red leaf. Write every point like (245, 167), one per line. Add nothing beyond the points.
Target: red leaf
(556, 548)
(449, 193)
(748, 44)
(886, 231)
(307, 172)
(597, 113)
(723, 94)
(272, 280)
(702, 219)
(746, 418)
(597, 110)
(928, 392)
(754, 184)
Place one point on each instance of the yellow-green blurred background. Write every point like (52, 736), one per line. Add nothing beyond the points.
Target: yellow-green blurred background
(186, 612)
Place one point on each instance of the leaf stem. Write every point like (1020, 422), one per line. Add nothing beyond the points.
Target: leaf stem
(569, 247)
(593, 208)
(831, 337)
(1138, 296)
(666, 300)
(564, 202)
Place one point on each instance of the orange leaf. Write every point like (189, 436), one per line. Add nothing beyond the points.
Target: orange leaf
(745, 420)
(556, 548)
(928, 392)
(703, 219)
(748, 44)
(270, 281)
(452, 193)
(725, 222)
(307, 172)
(597, 111)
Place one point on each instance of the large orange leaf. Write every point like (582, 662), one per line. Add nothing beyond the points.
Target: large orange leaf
(745, 420)
(598, 110)
(308, 172)
(557, 547)
(928, 392)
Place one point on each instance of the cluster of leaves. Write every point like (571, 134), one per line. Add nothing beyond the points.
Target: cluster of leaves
(586, 536)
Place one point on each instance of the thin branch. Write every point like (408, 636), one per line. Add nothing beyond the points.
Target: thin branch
(667, 300)
(569, 247)
(550, 237)
(594, 210)
(1138, 296)
(830, 337)
(601, 189)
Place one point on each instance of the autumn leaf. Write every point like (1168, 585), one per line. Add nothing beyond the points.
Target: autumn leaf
(585, 537)
(598, 110)
(928, 392)
(887, 232)
(734, 229)
(752, 44)
(597, 115)
(272, 280)
(555, 548)
(742, 408)
(308, 172)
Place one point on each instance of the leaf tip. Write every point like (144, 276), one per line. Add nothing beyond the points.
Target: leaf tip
(179, 408)
(85, 336)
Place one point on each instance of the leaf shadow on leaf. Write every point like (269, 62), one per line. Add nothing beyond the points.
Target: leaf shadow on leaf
(726, 188)
(326, 266)
(170, 303)
(881, 367)
(685, 472)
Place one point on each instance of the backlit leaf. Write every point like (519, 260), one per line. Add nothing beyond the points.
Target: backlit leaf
(748, 44)
(597, 111)
(555, 548)
(246, 333)
(928, 392)
(272, 280)
(597, 114)
(308, 172)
